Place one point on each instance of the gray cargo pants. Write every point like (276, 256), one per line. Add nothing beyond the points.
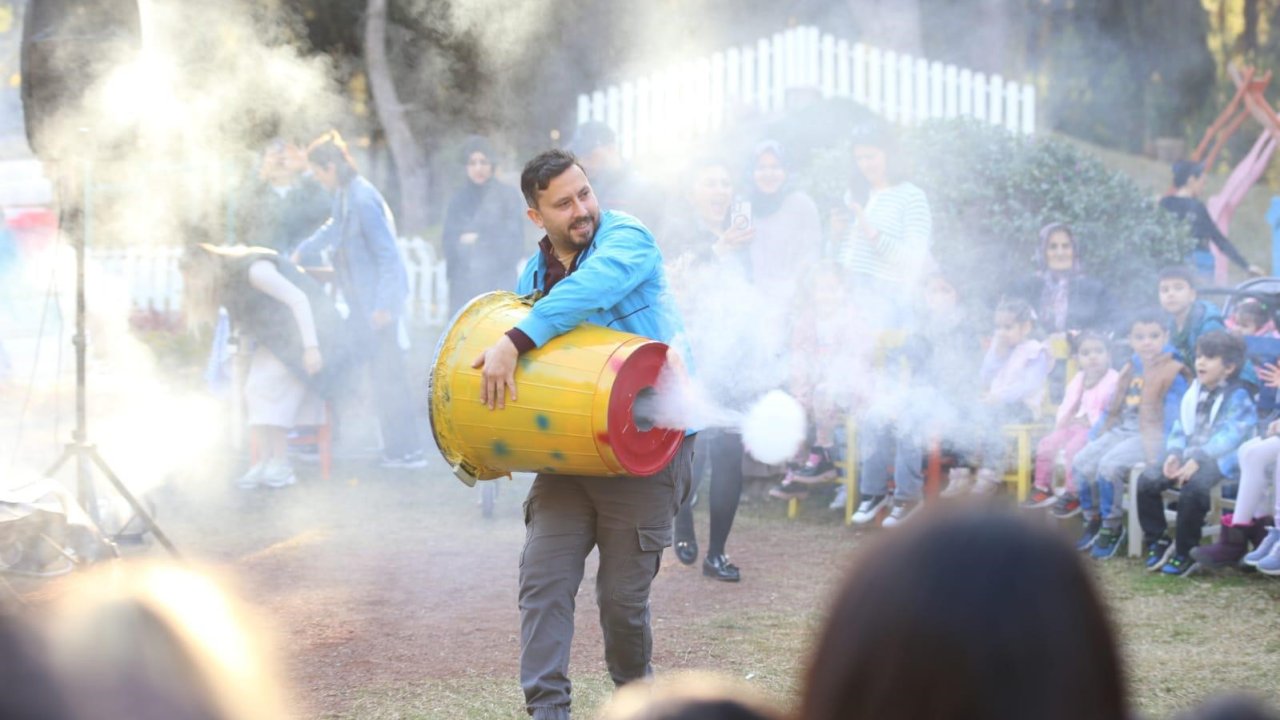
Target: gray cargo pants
(629, 519)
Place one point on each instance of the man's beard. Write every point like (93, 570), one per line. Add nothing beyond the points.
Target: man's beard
(571, 239)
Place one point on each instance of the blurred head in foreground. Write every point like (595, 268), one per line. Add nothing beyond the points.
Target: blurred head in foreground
(970, 613)
(162, 643)
(688, 696)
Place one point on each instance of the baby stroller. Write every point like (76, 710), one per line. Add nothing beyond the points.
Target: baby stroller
(1264, 348)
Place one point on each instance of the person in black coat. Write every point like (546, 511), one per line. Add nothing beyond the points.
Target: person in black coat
(483, 231)
(1066, 300)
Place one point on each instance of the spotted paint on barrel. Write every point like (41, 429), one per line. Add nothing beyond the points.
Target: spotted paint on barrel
(557, 455)
(543, 422)
(500, 448)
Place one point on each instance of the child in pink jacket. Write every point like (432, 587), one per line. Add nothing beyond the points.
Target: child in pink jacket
(1086, 398)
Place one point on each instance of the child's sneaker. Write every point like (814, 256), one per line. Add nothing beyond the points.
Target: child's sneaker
(817, 469)
(868, 508)
(1107, 542)
(1158, 554)
(788, 489)
(901, 512)
(958, 481)
(1264, 548)
(409, 461)
(1091, 528)
(1270, 565)
(1039, 498)
(253, 478)
(278, 475)
(1179, 566)
(842, 495)
(988, 482)
(1068, 505)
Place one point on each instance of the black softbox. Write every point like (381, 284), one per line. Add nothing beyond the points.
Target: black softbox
(68, 46)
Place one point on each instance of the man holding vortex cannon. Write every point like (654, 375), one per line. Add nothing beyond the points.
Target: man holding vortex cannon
(601, 267)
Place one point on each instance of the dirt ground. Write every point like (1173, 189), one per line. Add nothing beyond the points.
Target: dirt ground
(382, 579)
(391, 597)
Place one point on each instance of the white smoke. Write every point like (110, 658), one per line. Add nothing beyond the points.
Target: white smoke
(774, 428)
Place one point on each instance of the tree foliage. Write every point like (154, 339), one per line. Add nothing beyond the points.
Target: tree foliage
(991, 191)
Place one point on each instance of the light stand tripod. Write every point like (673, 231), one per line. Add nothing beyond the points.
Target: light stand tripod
(76, 221)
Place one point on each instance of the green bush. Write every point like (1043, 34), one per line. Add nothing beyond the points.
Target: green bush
(991, 191)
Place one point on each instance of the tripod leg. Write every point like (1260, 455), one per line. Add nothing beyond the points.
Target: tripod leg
(67, 452)
(140, 511)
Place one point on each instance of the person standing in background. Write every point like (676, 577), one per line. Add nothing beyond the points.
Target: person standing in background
(707, 246)
(286, 204)
(483, 235)
(371, 275)
(887, 251)
(617, 185)
(788, 227)
(1185, 203)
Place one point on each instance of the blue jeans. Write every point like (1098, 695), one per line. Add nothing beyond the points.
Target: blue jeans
(1202, 260)
(899, 450)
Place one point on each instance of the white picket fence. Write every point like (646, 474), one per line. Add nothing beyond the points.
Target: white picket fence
(702, 96)
(150, 277)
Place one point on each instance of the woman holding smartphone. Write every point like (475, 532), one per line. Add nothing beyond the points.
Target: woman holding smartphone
(707, 247)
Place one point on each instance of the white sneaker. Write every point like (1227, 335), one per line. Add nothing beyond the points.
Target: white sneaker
(958, 481)
(868, 508)
(988, 482)
(901, 512)
(842, 495)
(253, 478)
(278, 475)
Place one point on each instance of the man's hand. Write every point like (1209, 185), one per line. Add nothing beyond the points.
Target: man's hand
(312, 362)
(1171, 466)
(1189, 468)
(380, 319)
(468, 238)
(1273, 428)
(499, 363)
(1256, 271)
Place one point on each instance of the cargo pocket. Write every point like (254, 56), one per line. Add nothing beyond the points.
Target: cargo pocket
(528, 531)
(654, 539)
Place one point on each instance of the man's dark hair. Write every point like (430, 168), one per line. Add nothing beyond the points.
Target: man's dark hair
(1179, 272)
(1149, 316)
(909, 616)
(541, 170)
(1223, 345)
(1184, 170)
(331, 148)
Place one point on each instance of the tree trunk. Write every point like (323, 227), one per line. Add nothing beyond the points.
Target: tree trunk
(411, 163)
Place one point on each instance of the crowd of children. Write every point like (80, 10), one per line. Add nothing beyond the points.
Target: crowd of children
(1167, 412)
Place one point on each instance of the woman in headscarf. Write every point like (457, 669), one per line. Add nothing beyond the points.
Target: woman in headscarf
(1066, 300)
(788, 229)
(483, 228)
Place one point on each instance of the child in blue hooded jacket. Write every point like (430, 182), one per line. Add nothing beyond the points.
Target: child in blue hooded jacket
(1216, 416)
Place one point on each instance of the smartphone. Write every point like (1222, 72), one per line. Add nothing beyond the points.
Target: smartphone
(740, 214)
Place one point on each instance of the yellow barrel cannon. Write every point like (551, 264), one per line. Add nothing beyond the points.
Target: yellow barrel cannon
(578, 394)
